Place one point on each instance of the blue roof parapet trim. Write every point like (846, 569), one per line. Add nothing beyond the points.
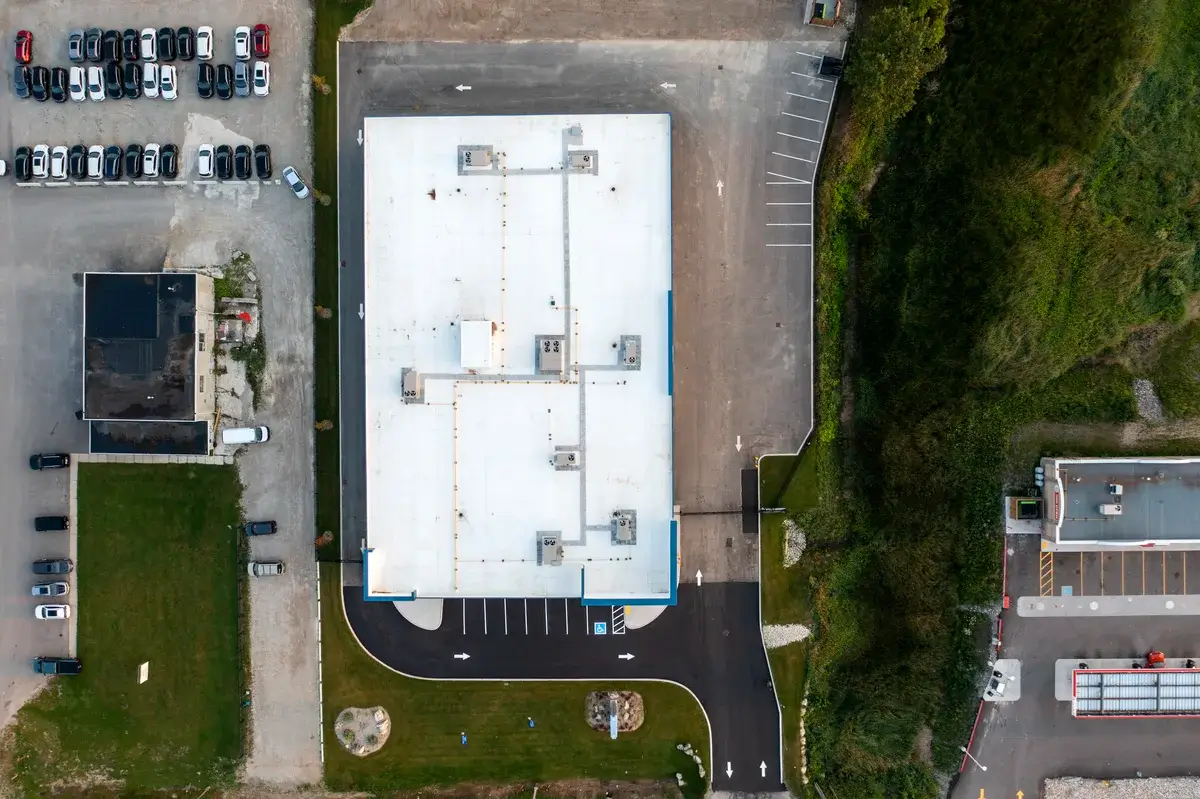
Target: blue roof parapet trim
(369, 597)
(670, 599)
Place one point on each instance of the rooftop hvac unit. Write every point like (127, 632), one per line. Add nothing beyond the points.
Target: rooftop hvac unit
(631, 352)
(412, 386)
(581, 161)
(566, 460)
(550, 354)
(475, 157)
(1116, 489)
(549, 549)
(624, 527)
(1110, 510)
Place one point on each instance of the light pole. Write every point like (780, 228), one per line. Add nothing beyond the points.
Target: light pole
(973, 760)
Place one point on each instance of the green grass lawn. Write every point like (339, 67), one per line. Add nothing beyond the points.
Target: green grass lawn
(787, 481)
(424, 748)
(156, 580)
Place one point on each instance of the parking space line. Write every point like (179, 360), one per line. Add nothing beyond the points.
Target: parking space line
(789, 178)
(587, 622)
(807, 55)
(526, 601)
(1185, 554)
(1164, 572)
(789, 245)
(547, 609)
(464, 604)
(506, 615)
(484, 616)
(793, 157)
(789, 203)
(1122, 572)
(801, 138)
(806, 119)
(1143, 572)
(823, 80)
(807, 97)
(1081, 582)
(789, 224)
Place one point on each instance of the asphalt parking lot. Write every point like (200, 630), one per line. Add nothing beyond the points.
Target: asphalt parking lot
(54, 234)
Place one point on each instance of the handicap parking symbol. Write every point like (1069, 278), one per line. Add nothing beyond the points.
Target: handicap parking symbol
(599, 628)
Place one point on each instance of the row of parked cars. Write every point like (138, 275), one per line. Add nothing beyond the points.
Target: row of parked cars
(51, 566)
(114, 81)
(97, 162)
(227, 163)
(165, 44)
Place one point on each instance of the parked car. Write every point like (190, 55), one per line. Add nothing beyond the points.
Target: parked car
(205, 80)
(53, 566)
(150, 80)
(262, 78)
(224, 81)
(23, 164)
(245, 435)
(133, 161)
(149, 42)
(261, 40)
(241, 43)
(58, 163)
(95, 162)
(262, 161)
(224, 162)
(265, 568)
(292, 178)
(150, 158)
(41, 171)
(58, 84)
(242, 168)
(75, 52)
(50, 589)
(166, 82)
(57, 665)
(52, 612)
(168, 164)
(260, 528)
(132, 74)
(204, 160)
(112, 162)
(91, 45)
(166, 44)
(185, 41)
(48, 460)
(77, 84)
(114, 81)
(23, 46)
(110, 46)
(241, 79)
(40, 85)
(77, 161)
(22, 78)
(95, 84)
(130, 45)
(51, 524)
(204, 43)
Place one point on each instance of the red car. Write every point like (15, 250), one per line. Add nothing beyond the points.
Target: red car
(261, 38)
(24, 48)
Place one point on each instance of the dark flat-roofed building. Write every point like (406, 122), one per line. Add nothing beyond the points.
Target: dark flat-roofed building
(1114, 503)
(147, 369)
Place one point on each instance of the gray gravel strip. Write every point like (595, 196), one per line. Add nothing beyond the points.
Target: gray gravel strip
(1080, 788)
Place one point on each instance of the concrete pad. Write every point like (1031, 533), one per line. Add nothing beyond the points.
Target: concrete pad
(638, 616)
(423, 613)
(1060, 606)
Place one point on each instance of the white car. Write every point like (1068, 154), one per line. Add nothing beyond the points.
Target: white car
(262, 78)
(241, 43)
(204, 160)
(95, 162)
(294, 182)
(150, 80)
(95, 84)
(150, 158)
(58, 163)
(41, 161)
(204, 43)
(52, 612)
(51, 589)
(3, 168)
(166, 82)
(149, 44)
(78, 84)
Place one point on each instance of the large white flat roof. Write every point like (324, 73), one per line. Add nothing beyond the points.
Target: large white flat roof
(518, 277)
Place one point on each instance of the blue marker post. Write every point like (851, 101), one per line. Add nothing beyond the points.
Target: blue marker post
(530, 719)
(464, 739)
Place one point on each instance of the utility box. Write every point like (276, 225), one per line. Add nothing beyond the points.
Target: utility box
(549, 549)
(1110, 510)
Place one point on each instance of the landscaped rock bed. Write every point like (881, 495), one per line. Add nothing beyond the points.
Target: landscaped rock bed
(362, 730)
(630, 710)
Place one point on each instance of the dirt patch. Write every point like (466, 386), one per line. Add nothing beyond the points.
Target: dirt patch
(923, 746)
(363, 730)
(627, 705)
(500, 20)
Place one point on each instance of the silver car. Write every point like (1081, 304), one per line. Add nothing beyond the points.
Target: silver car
(241, 79)
(267, 568)
(51, 589)
(294, 182)
(75, 46)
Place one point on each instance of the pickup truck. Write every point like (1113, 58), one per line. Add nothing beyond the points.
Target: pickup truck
(57, 666)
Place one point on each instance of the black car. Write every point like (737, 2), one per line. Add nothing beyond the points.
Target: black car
(168, 161)
(260, 528)
(53, 566)
(224, 81)
(166, 44)
(49, 460)
(185, 37)
(58, 85)
(91, 45)
(130, 44)
(110, 48)
(133, 80)
(77, 161)
(241, 162)
(112, 162)
(51, 524)
(40, 85)
(262, 161)
(224, 162)
(133, 161)
(205, 77)
(23, 167)
(114, 81)
(22, 77)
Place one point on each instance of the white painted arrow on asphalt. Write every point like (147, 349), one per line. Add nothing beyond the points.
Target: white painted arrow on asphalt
(626, 656)
(361, 311)
(462, 656)
(728, 769)
(763, 768)
(699, 577)
(738, 444)
(667, 85)
(463, 88)
(360, 139)
(720, 185)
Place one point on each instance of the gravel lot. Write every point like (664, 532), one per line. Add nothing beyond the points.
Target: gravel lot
(52, 234)
(1078, 788)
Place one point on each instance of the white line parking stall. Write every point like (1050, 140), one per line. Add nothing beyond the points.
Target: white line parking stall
(534, 616)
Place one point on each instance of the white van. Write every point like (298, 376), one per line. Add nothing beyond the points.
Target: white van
(245, 435)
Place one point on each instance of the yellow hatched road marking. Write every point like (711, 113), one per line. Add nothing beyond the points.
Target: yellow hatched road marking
(1047, 573)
